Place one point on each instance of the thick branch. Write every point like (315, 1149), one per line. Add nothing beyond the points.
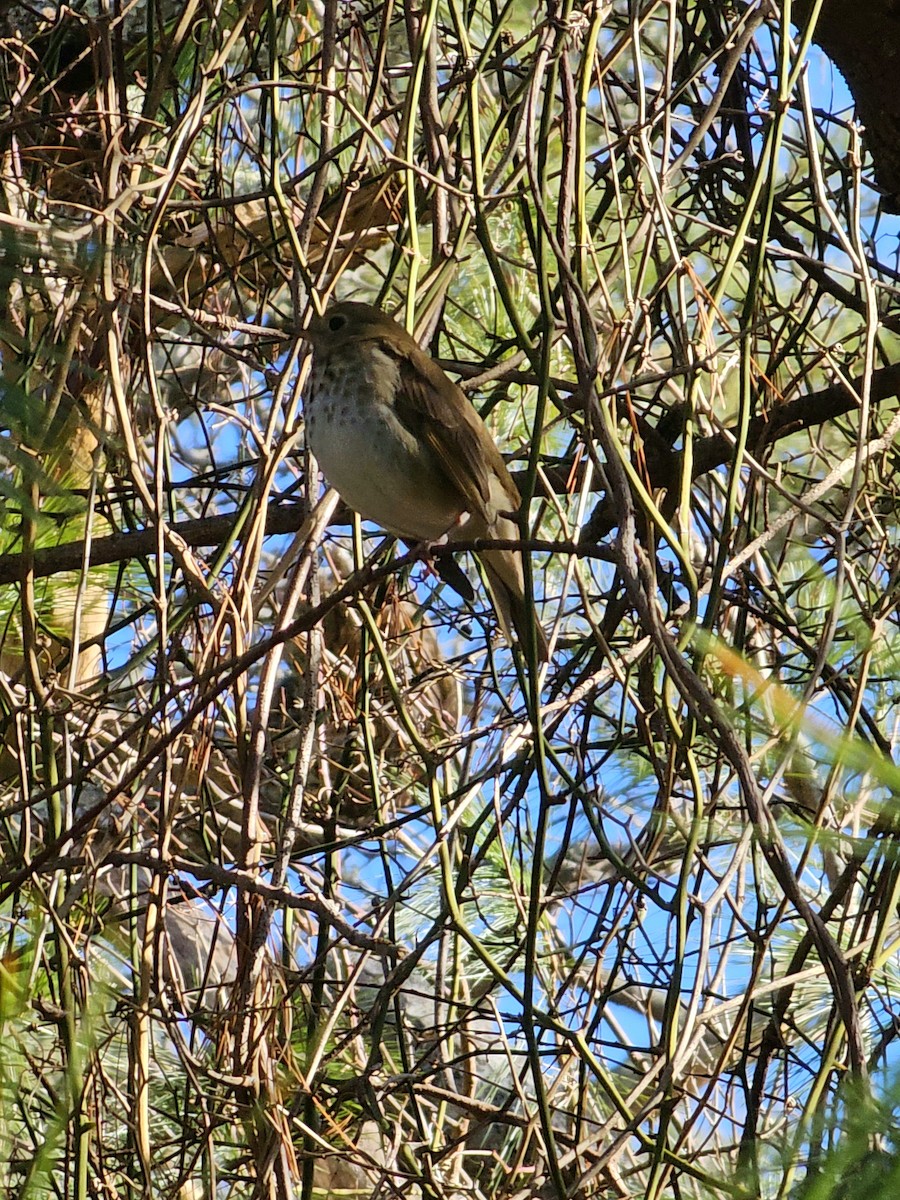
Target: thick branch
(815, 408)
(119, 547)
(862, 41)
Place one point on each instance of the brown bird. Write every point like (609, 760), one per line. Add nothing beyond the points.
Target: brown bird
(403, 446)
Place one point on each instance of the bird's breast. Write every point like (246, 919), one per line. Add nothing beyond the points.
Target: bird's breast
(367, 454)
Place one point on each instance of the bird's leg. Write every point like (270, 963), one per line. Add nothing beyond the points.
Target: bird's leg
(427, 545)
(457, 523)
(445, 567)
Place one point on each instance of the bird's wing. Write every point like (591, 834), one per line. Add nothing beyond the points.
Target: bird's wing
(435, 410)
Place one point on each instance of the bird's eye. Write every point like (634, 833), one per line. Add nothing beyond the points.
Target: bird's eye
(337, 323)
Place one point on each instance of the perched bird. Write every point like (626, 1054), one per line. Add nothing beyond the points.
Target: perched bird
(403, 446)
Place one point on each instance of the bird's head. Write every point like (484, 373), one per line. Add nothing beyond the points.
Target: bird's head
(349, 321)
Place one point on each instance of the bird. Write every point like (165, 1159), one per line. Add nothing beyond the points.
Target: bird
(402, 446)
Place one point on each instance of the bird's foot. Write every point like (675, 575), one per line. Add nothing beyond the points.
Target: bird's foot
(444, 567)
